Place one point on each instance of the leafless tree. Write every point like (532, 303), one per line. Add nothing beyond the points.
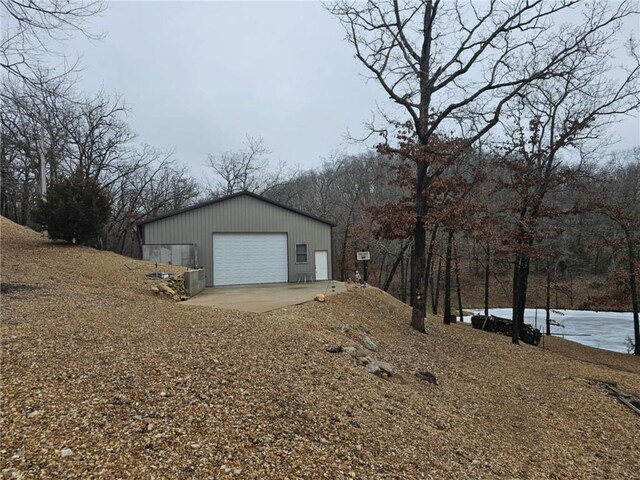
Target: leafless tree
(551, 117)
(617, 196)
(99, 138)
(456, 65)
(245, 169)
(31, 29)
(33, 121)
(155, 184)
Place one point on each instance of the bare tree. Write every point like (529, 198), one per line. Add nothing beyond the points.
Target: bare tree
(99, 138)
(549, 118)
(245, 169)
(31, 29)
(617, 196)
(156, 184)
(33, 121)
(456, 65)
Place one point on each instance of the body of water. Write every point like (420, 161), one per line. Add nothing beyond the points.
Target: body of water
(606, 330)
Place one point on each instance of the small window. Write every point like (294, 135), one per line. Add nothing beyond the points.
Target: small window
(301, 253)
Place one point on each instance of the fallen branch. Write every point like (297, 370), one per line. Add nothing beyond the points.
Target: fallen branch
(625, 398)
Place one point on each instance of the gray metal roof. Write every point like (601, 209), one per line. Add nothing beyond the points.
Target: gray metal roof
(229, 197)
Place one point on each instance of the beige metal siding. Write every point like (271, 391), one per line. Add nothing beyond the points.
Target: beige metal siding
(242, 214)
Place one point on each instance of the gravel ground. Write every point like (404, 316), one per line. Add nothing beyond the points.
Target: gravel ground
(103, 379)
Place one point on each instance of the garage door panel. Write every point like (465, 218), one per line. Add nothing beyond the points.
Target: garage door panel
(249, 258)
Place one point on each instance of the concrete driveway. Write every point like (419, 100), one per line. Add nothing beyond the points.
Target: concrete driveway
(264, 297)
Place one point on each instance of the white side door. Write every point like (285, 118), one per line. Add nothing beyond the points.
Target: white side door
(322, 265)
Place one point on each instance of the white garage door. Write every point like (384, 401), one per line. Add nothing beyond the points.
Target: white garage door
(241, 258)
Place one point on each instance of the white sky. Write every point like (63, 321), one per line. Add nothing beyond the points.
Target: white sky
(199, 76)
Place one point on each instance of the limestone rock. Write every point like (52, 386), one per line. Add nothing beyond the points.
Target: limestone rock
(373, 367)
(66, 452)
(350, 350)
(369, 344)
(319, 298)
(385, 368)
(363, 361)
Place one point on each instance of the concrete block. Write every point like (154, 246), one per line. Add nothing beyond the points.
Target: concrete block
(194, 281)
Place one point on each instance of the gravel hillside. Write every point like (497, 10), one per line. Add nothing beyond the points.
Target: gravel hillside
(103, 379)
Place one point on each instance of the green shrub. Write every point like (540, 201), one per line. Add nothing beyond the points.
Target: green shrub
(75, 209)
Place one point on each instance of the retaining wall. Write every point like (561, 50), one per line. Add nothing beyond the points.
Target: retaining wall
(194, 281)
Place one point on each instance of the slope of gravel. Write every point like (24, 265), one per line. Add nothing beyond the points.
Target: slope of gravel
(103, 379)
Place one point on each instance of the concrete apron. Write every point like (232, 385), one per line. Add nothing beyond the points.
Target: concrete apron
(264, 297)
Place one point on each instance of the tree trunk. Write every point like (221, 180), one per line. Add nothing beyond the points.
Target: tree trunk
(515, 337)
(403, 276)
(487, 271)
(458, 286)
(436, 297)
(429, 266)
(405, 280)
(634, 291)
(521, 278)
(343, 254)
(447, 281)
(548, 306)
(418, 262)
(394, 267)
(380, 274)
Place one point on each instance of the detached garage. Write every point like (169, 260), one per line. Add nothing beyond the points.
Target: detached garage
(242, 238)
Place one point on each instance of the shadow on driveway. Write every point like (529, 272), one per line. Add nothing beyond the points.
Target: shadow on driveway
(264, 297)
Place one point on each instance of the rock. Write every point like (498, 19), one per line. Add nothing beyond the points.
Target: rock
(66, 452)
(164, 394)
(386, 368)
(195, 446)
(365, 329)
(381, 369)
(155, 289)
(319, 298)
(363, 360)
(183, 298)
(427, 377)
(373, 367)
(350, 350)
(368, 344)
(149, 427)
(345, 328)
(168, 290)
(337, 349)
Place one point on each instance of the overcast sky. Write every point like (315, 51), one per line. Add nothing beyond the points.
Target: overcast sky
(200, 76)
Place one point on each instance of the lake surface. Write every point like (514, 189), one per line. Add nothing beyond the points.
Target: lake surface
(606, 330)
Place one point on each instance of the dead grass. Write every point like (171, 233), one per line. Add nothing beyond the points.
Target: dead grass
(139, 387)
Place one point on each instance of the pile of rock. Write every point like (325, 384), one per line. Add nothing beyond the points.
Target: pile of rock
(377, 367)
(172, 287)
